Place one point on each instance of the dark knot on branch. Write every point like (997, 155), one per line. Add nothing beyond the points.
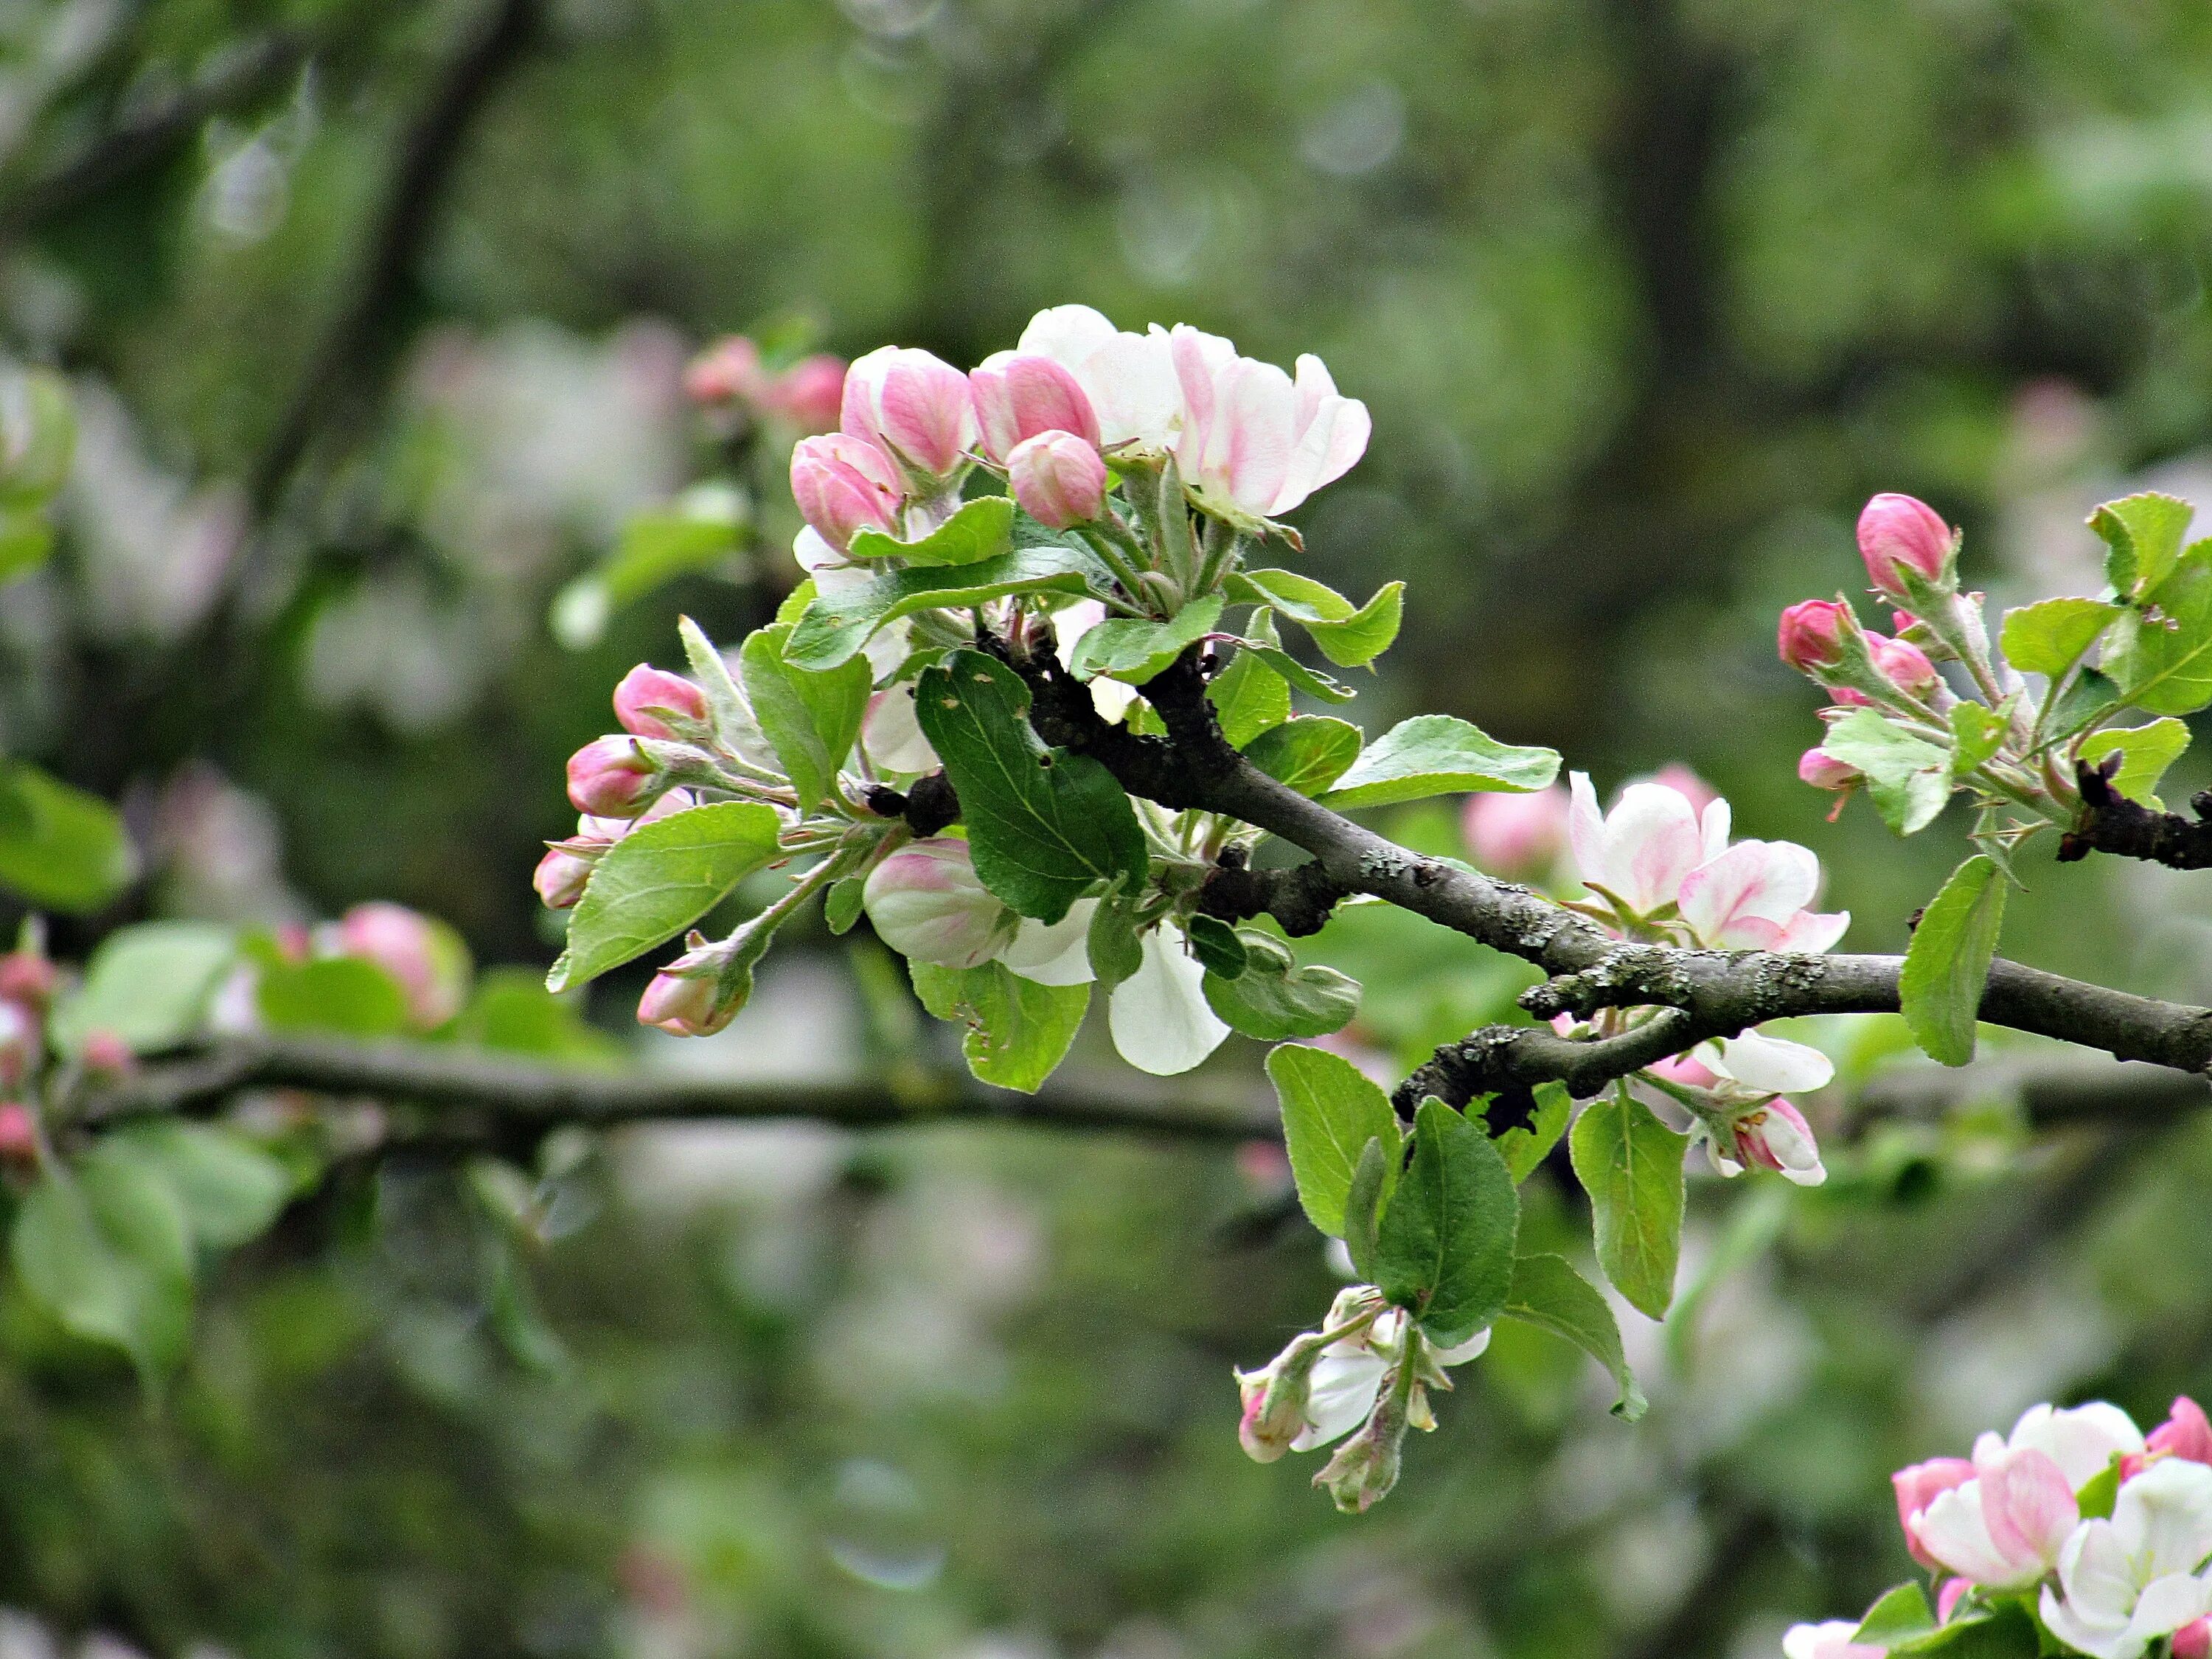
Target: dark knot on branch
(2111, 823)
(1299, 898)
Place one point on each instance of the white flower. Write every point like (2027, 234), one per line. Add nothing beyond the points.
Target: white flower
(1054, 953)
(1830, 1641)
(1158, 1016)
(1130, 378)
(2132, 1579)
(1348, 1378)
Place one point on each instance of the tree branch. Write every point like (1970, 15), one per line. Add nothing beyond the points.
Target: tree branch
(491, 1099)
(2110, 822)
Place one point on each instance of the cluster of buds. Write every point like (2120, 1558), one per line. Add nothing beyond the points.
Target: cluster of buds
(732, 375)
(1367, 1373)
(2104, 1532)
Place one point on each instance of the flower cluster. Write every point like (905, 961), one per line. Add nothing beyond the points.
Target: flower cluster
(733, 374)
(2077, 1521)
(1660, 867)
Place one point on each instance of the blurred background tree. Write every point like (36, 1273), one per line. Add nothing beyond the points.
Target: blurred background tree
(376, 316)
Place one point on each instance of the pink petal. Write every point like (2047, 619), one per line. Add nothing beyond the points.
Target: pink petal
(2029, 1507)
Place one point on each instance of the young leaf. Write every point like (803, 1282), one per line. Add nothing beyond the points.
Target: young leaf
(2161, 657)
(1978, 732)
(835, 626)
(1330, 1111)
(1216, 945)
(229, 1188)
(657, 880)
(1349, 635)
(982, 529)
(1274, 999)
(1947, 963)
(1437, 755)
(2008, 1631)
(1018, 1031)
(1248, 695)
(1309, 754)
(1311, 681)
(2145, 751)
(60, 849)
(331, 994)
(2142, 534)
(1045, 826)
(1630, 1164)
(811, 718)
(1132, 650)
(1372, 1178)
(842, 907)
(1444, 1251)
(149, 984)
(107, 1251)
(1908, 779)
(726, 706)
(2049, 638)
(1896, 1614)
(1548, 1293)
(1523, 1149)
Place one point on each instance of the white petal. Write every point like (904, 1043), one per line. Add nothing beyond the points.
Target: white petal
(1055, 955)
(2081, 1440)
(1773, 1065)
(1158, 1016)
(1466, 1351)
(1344, 1391)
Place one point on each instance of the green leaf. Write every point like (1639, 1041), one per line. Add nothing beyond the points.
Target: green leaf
(1437, 755)
(511, 1010)
(1978, 732)
(2147, 751)
(1630, 1164)
(981, 528)
(1133, 651)
(2143, 536)
(107, 1251)
(1373, 1174)
(1045, 826)
(1330, 1110)
(27, 539)
(37, 437)
(836, 625)
(1309, 754)
(1310, 681)
(1274, 999)
(1017, 1030)
(1444, 1251)
(1349, 635)
(1216, 945)
(61, 848)
(657, 880)
(1547, 1292)
(731, 714)
(841, 908)
(2099, 1493)
(2161, 657)
(704, 527)
(2049, 638)
(2089, 697)
(2008, 1632)
(228, 1186)
(1248, 695)
(1523, 1149)
(1909, 780)
(333, 993)
(1896, 1614)
(810, 718)
(148, 984)
(1114, 951)
(1947, 963)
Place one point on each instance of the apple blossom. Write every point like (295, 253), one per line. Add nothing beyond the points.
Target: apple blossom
(810, 393)
(1754, 895)
(1831, 1640)
(1021, 395)
(2127, 1580)
(1158, 1017)
(1897, 533)
(843, 485)
(1129, 379)
(1811, 635)
(645, 688)
(926, 902)
(1775, 1136)
(608, 777)
(105, 1054)
(1817, 766)
(1516, 834)
(559, 878)
(1639, 853)
(1059, 479)
(2003, 1529)
(1053, 953)
(1918, 1486)
(890, 735)
(916, 406)
(418, 952)
(2082, 1440)
(2193, 1640)
(1254, 442)
(682, 1004)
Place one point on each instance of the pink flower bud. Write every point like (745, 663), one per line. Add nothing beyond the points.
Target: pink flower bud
(1919, 1485)
(1775, 1136)
(1811, 635)
(560, 878)
(19, 1134)
(608, 776)
(1516, 834)
(1686, 1069)
(1821, 769)
(914, 406)
(2193, 1640)
(1019, 395)
(28, 978)
(106, 1055)
(427, 961)
(1687, 784)
(809, 392)
(2184, 1434)
(1904, 666)
(1897, 531)
(844, 485)
(19, 1044)
(1059, 479)
(727, 372)
(646, 687)
(682, 1005)
(926, 902)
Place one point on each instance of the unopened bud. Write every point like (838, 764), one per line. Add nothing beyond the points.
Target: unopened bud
(682, 1005)
(807, 394)
(645, 688)
(729, 371)
(1899, 533)
(1059, 479)
(843, 485)
(1275, 1400)
(1516, 834)
(1020, 395)
(424, 956)
(609, 778)
(2193, 1640)
(1817, 766)
(1904, 666)
(916, 406)
(927, 904)
(1365, 1466)
(1810, 637)
(19, 1134)
(107, 1054)
(560, 878)
(28, 977)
